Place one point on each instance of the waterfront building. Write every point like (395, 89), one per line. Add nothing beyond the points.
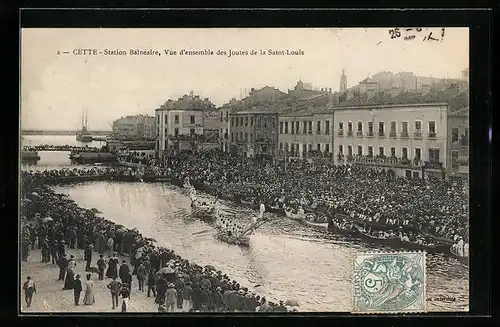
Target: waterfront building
(306, 134)
(408, 139)
(254, 132)
(134, 127)
(458, 143)
(178, 129)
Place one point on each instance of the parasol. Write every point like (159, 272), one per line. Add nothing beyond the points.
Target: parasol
(95, 210)
(292, 303)
(46, 219)
(35, 194)
(166, 270)
(209, 267)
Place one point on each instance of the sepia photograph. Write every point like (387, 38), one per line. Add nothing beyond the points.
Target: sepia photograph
(203, 170)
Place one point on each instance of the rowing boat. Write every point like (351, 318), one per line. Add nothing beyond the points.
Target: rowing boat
(295, 216)
(242, 241)
(399, 243)
(315, 224)
(204, 213)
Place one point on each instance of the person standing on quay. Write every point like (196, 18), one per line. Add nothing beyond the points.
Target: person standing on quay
(114, 287)
(63, 265)
(125, 293)
(110, 245)
(101, 265)
(77, 289)
(187, 300)
(141, 275)
(112, 271)
(88, 256)
(89, 298)
(171, 298)
(29, 288)
(124, 272)
(45, 250)
(151, 283)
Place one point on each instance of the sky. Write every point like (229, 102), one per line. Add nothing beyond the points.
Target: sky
(56, 87)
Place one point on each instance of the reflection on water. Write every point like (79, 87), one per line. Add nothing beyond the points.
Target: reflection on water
(285, 260)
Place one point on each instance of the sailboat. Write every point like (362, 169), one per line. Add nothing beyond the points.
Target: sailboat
(83, 135)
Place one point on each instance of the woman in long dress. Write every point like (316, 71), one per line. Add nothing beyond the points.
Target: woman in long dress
(70, 279)
(112, 271)
(89, 298)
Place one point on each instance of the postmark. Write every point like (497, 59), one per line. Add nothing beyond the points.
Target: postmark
(389, 282)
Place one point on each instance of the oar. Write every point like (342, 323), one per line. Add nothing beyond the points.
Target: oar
(197, 233)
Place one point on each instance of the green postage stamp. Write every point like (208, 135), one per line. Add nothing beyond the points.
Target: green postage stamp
(389, 282)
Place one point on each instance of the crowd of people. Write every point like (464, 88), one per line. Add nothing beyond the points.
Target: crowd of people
(412, 206)
(429, 205)
(53, 223)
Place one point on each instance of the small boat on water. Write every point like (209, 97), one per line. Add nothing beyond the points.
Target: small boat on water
(83, 136)
(399, 243)
(205, 212)
(241, 241)
(300, 215)
(29, 156)
(315, 224)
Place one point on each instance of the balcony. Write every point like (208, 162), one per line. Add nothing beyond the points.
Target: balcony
(433, 164)
(432, 136)
(340, 157)
(382, 161)
(349, 133)
(417, 135)
(370, 134)
(359, 134)
(392, 135)
(182, 137)
(404, 135)
(381, 134)
(340, 133)
(349, 157)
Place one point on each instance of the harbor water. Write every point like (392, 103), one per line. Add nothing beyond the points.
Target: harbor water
(285, 259)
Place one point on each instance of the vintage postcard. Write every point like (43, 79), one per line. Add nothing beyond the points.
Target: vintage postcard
(244, 170)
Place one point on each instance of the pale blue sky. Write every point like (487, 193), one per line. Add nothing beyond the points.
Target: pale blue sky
(56, 88)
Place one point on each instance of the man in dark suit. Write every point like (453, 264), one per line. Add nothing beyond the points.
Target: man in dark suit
(124, 272)
(101, 265)
(29, 288)
(63, 265)
(77, 289)
(114, 287)
(88, 256)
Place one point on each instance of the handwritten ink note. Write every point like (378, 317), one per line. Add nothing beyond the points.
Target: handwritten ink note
(418, 33)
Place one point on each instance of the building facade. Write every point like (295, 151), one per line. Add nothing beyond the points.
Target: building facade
(134, 127)
(458, 143)
(306, 134)
(178, 129)
(409, 139)
(254, 132)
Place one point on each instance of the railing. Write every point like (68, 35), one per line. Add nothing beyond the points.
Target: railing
(349, 133)
(381, 160)
(359, 134)
(404, 135)
(392, 135)
(340, 133)
(340, 157)
(381, 134)
(370, 134)
(417, 135)
(182, 137)
(432, 135)
(433, 164)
